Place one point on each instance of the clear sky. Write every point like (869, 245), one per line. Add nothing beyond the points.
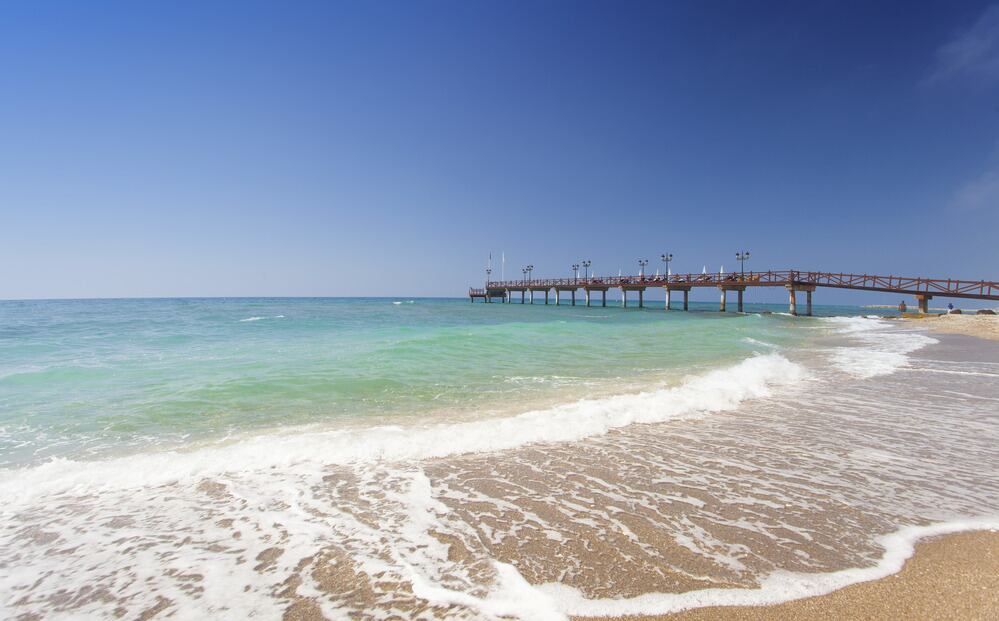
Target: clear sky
(385, 148)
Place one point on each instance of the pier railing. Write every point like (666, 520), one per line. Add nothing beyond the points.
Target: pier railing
(975, 289)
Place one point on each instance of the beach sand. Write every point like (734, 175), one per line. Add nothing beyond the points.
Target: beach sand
(982, 326)
(953, 577)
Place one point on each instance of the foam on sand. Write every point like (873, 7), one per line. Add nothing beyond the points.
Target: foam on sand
(774, 497)
(778, 587)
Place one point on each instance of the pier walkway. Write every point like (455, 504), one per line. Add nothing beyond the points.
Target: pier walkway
(923, 289)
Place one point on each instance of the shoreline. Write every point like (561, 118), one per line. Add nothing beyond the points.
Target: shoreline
(597, 505)
(952, 576)
(980, 326)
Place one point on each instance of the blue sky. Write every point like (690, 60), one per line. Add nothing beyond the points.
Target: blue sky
(385, 148)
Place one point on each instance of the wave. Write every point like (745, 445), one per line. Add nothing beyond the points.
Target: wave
(718, 390)
(261, 318)
(778, 587)
(877, 350)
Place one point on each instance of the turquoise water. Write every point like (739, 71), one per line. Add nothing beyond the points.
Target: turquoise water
(436, 459)
(88, 378)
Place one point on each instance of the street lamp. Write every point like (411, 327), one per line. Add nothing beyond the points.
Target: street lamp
(575, 271)
(741, 258)
(666, 257)
(523, 271)
(586, 269)
(530, 268)
(641, 267)
(489, 271)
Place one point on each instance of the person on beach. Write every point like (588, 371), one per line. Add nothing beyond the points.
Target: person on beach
(950, 307)
(902, 307)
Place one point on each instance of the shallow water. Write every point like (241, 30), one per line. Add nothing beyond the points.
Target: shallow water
(709, 456)
(93, 378)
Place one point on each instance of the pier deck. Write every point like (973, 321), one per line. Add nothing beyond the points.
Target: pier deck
(923, 289)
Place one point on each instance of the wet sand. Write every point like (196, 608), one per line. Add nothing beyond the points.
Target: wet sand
(953, 577)
(804, 482)
(982, 326)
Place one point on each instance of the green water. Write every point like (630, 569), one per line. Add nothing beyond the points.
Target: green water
(83, 379)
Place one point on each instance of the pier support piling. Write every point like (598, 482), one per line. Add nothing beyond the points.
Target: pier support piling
(604, 299)
(924, 303)
(739, 289)
(573, 297)
(630, 287)
(740, 299)
(556, 297)
(586, 292)
(686, 295)
(793, 301)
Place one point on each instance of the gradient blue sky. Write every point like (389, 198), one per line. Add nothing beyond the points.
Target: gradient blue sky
(384, 148)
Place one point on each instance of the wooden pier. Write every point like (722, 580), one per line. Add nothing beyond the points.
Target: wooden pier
(923, 289)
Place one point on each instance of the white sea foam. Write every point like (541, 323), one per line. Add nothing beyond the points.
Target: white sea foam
(136, 526)
(779, 586)
(718, 390)
(877, 349)
(262, 318)
(510, 597)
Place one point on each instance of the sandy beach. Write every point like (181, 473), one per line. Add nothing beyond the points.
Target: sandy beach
(982, 326)
(953, 577)
(803, 454)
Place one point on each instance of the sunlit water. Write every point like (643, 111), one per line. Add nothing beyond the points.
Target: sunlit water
(437, 459)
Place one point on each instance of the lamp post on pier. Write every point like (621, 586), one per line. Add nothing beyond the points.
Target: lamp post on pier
(489, 271)
(530, 268)
(523, 271)
(742, 257)
(641, 267)
(575, 271)
(666, 258)
(586, 269)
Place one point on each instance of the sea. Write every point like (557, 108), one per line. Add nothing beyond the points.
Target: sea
(387, 458)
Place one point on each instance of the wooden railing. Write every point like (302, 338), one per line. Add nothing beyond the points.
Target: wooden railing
(974, 289)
